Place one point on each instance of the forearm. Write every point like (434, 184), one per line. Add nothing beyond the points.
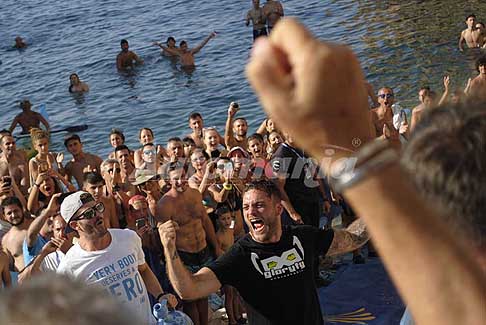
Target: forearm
(151, 282)
(180, 278)
(33, 268)
(410, 237)
(443, 99)
(228, 132)
(35, 228)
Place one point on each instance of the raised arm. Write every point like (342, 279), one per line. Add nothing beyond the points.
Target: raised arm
(228, 131)
(447, 82)
(300, 96)
(38, 222)
(14, 124)
(188, 286)
(200, 46)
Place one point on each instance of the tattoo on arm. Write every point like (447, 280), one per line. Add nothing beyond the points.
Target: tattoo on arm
(350, 239)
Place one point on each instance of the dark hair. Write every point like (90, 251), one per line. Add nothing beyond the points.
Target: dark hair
(240, 118)
(255, 136)
(481, 23)
(222, 209)
(449, 173)
(170, 38)
(174, 139)
(264, 185)
(12, 200)
(201, 150)
(140, 132)
(5, 132)
(71, 83)
(194, 115)
(121, 147)
(480, 61)
(188, 141)
(150, 144)
(182, 43)
(93, 178)
(118, 132)
(471, 16)
(426, 88)
(123, 41)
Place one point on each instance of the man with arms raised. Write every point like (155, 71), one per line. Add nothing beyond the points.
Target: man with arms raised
(271, 267)
(13, 163)
(13, 240)
(236, 129)
(110, 258)
(183, 205)
(75, 167)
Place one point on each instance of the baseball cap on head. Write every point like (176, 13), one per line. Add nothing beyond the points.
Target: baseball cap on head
(231, 153)
(142, 176)
(71, 204)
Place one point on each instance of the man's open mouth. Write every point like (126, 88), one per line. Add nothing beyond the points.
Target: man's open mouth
(257, 224)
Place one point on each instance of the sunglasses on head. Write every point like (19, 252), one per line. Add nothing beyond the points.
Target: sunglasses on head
(90, 213)
(386, 96)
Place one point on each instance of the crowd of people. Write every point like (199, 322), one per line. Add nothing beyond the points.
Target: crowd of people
(240, 213)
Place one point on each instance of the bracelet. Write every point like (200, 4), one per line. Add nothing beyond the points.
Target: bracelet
(159, 296)
(372, 158)
(227, 186)
(35, 184)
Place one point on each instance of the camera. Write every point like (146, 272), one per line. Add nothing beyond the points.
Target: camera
(140, 223)
(235, 105)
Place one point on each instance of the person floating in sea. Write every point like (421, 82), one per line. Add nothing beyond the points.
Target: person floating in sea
(126, 59)
(257, 17)
(273, 11)
(77, 86)
(184, 53)
(171, 44)
(471, 35)
(20, 43)
(476, 87)
(28, 119)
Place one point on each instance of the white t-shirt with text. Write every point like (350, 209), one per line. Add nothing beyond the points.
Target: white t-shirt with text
(114, 268)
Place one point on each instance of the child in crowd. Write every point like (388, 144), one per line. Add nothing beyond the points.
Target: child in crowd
(226, 238)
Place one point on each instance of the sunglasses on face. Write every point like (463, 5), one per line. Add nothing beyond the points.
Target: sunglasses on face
(149, 152)
(202, 158)
(386, 96)
(91, 212)
(118, 170)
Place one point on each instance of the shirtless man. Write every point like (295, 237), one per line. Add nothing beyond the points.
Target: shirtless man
(28, 119)
(175, 149)
(94, 185)
(382, 116)
(184, 53)
(425, 98)
(477, 86)
(258, 18)
(13, 240)
(273, 11)
(236, 129)
(13, 163)
(74, 168)
(122, 154)
(126, 59)
(471, 35)
(196, 123)
(171, 44)
(183, 205)
(5, 279)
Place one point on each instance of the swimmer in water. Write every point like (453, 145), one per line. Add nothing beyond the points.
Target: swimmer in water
(184, 53)
(471, 35)
(126, 59)
(273, 11)
(257, 16)
(77, 86)
(20, 43)
(171, 44)
(28, 119)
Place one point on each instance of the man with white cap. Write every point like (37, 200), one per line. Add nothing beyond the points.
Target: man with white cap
(111, 258)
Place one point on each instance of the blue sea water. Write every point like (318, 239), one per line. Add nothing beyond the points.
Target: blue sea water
(402, 44)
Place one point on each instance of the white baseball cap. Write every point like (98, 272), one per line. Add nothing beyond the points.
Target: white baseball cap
(71, 204)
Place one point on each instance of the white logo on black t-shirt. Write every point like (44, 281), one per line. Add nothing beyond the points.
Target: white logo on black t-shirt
(289, 263)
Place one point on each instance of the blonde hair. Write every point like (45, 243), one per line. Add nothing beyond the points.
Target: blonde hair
(37, 134)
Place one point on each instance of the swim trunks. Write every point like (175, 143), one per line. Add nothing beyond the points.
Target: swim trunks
(196, 261)
(259, 32)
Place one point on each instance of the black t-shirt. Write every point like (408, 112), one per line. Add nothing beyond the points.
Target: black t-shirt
(300, 185)
(277, 279)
